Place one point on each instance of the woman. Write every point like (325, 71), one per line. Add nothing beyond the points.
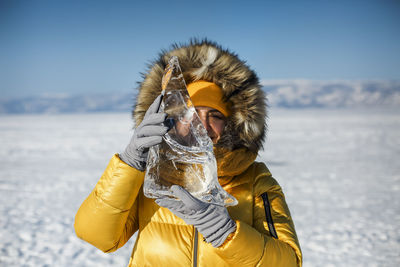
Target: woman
(258, 231)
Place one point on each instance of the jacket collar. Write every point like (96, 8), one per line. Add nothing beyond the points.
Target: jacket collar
(232, 163)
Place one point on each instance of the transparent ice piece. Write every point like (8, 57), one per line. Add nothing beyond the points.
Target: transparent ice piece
(185, 156)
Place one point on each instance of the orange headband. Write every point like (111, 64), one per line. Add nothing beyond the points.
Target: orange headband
(208, 94)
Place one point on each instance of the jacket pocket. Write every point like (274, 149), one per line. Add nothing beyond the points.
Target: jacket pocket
(268, 215)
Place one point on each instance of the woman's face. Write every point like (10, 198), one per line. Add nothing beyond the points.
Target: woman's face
(213, 121)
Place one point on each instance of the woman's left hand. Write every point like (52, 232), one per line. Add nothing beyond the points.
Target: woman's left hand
(211, 220)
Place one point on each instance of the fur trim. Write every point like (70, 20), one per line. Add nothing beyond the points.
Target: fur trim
(205, 60)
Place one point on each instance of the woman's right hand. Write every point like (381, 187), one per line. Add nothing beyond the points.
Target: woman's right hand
(147, 134)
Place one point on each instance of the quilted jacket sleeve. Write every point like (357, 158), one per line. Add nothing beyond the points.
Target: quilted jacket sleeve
(108, 216)
(255, 245)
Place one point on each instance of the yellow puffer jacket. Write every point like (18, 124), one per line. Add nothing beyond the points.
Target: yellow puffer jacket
(265, 234)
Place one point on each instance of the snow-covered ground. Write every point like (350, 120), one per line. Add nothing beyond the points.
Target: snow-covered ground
(339, 169)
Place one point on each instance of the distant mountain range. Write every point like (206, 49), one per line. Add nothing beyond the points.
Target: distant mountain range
(64, 103)
(311, 93)
(281, 93)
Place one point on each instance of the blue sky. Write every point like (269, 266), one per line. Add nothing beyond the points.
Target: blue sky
(102, 46)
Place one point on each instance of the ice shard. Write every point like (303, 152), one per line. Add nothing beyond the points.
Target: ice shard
(185, 156)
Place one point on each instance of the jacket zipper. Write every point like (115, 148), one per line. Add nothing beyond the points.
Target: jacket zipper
(268, 215)
(195, 247)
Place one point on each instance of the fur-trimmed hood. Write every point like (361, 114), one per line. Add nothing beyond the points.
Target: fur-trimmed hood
(205, 60)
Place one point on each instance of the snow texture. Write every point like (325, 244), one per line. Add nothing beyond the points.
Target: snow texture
(339, 169)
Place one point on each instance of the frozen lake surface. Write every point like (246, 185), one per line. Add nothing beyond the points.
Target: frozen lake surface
(339, 169)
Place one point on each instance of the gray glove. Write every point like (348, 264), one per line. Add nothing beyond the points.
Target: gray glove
(212, 221)
(147, 134)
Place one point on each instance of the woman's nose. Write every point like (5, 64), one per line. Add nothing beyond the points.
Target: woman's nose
(204, 120)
